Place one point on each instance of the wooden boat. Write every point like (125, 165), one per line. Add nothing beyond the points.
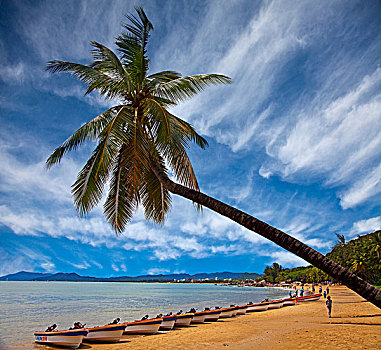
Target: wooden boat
(312, 297)
(183, 320)
(108, 333)
(71, 338)
(146, 326)
(235, 310)
(198, 317)
(275, 304)
(241, 310)
(227, 312)
(258, 307)
(212, 315)
(289, 301)
(168, 322)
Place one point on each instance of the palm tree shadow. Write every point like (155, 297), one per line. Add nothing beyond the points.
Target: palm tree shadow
(358, 316)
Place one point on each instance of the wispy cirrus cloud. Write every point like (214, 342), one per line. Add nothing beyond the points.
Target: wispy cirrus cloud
(367, 225)
(327, 126)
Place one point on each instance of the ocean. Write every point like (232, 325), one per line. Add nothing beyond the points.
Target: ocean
(29, 306)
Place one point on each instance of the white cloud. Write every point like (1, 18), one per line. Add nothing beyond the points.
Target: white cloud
(366, 187)
(157, 271)
(367, 225)
(287, 259)
(48, 266)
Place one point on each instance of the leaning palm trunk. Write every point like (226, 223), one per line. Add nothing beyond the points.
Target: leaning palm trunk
(361, 287)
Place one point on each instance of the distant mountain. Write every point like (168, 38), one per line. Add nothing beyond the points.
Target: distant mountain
(247, 276)
(74, 277)
(24, 276)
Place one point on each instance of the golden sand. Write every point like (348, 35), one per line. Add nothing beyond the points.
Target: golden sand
(355, 324)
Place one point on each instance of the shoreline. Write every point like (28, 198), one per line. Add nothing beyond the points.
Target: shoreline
(355, 324)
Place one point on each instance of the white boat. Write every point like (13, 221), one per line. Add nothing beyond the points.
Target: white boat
(241, 310)
(212, 315)
(69, 338)
(257, 307)
(312, 297)
(148, 326)
(108, 333)
(199, 317)
(168, 322)
(227, 312)
(289, 301)
(235, 311)
(275, 304)
(184, 320)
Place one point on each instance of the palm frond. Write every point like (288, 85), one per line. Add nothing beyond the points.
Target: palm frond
(95, 80)
(182, 88)
(107, 61)
(121, 202)
(88, 132)
(162, 77)
(140, 27)
(87, 190)
(156, 199)
(132, 46)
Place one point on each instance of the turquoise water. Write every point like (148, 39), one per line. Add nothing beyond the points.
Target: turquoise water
(29, 306)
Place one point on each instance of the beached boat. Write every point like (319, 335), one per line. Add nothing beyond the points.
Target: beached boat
(146, 326)
(312, 297)
(108, 333)
(212, 315)
(235, 312)
(198, 317)
(241, 310)
(183, 320)
(71, 338)
(257, 307)
(275, 304)
(168, 322)
(226, 312)
(289, 301)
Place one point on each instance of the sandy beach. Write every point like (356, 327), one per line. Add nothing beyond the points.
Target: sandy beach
(355, 324)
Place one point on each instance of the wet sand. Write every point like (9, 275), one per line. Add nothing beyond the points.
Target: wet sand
(355, 324)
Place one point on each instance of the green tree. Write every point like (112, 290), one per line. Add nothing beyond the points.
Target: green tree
(139, 139)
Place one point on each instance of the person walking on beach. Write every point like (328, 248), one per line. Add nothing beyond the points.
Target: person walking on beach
(328, 302)
(325, 294)
(327, 290)
(320, 289)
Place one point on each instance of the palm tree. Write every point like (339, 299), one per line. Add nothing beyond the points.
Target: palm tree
(139, 140)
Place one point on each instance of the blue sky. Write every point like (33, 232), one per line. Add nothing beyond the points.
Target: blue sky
(295, 139)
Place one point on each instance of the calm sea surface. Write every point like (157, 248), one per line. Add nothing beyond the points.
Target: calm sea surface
(29, 306)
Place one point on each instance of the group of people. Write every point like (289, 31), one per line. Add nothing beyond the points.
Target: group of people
(325, 293)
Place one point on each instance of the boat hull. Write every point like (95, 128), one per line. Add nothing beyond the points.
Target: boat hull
(289, 302)
(313, 297)
(168, 323)
(276, 304)
(183, 320)
(241, 310)
(212, 316)
(151, 326)
(199, 317)
(227, 312)
(108, 333)
(70, 338)
(257, 307)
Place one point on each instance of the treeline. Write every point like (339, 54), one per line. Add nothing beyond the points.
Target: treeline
(361, 256)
